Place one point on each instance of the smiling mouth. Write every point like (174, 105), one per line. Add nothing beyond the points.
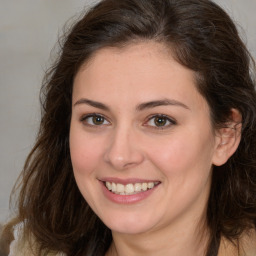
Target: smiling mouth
(130, 189)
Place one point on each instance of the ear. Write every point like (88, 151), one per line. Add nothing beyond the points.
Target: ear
(228, 138)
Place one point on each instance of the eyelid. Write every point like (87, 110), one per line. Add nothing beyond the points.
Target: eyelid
(168, 118)
(171, 121)
(86, 116)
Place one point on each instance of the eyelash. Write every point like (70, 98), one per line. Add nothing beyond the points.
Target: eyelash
(165, 118)
(84, 119)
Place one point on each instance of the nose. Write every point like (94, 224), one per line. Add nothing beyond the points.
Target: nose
(124, 150)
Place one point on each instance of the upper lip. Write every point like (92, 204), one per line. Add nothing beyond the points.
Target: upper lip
(127, 181)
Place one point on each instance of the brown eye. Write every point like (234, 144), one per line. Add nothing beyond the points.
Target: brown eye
(94, 120)
(98, 120)
(160, 121)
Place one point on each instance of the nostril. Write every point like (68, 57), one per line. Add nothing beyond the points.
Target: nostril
(122, 153)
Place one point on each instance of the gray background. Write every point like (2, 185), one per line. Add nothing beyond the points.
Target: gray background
(28, 31)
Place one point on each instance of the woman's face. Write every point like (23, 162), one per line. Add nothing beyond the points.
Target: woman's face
(141, 141)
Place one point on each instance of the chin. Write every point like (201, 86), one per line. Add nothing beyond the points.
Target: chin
(130, 224)
(130, 230)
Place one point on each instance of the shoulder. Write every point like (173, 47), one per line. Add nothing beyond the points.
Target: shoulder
(246, 246)
(249, 243)
(22, 247)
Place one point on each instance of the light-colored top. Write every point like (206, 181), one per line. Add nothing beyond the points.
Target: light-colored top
(19, 247)
(247, 245)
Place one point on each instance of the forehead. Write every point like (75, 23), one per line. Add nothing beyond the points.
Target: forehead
(140, 48)
(145, 70)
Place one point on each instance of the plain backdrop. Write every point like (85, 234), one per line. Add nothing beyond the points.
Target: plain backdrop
(29, 30)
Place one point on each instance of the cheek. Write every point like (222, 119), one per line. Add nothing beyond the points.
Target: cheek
(172, 153)
(84, 153)
(183, 154)
(84, 157)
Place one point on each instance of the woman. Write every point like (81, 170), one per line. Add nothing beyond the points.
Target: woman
(147, 143)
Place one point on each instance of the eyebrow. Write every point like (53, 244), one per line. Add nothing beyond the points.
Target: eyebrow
(140, 107)
(157, 103)
(92, 103)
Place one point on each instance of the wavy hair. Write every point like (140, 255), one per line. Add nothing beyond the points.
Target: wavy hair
(202, 38)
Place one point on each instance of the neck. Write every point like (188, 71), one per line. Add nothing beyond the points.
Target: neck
(167, 241)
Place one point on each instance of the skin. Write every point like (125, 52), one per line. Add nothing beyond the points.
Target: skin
(128, 145)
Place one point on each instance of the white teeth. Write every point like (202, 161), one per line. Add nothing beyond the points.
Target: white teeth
(150, 184)
(129, 189)
(113, 187)
(144, 186)
(109, 185)
(119, 188)
(137, 187)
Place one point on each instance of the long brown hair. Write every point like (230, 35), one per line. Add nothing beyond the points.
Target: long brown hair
(204, 39)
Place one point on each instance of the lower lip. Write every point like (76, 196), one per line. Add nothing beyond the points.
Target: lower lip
(127, 199)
